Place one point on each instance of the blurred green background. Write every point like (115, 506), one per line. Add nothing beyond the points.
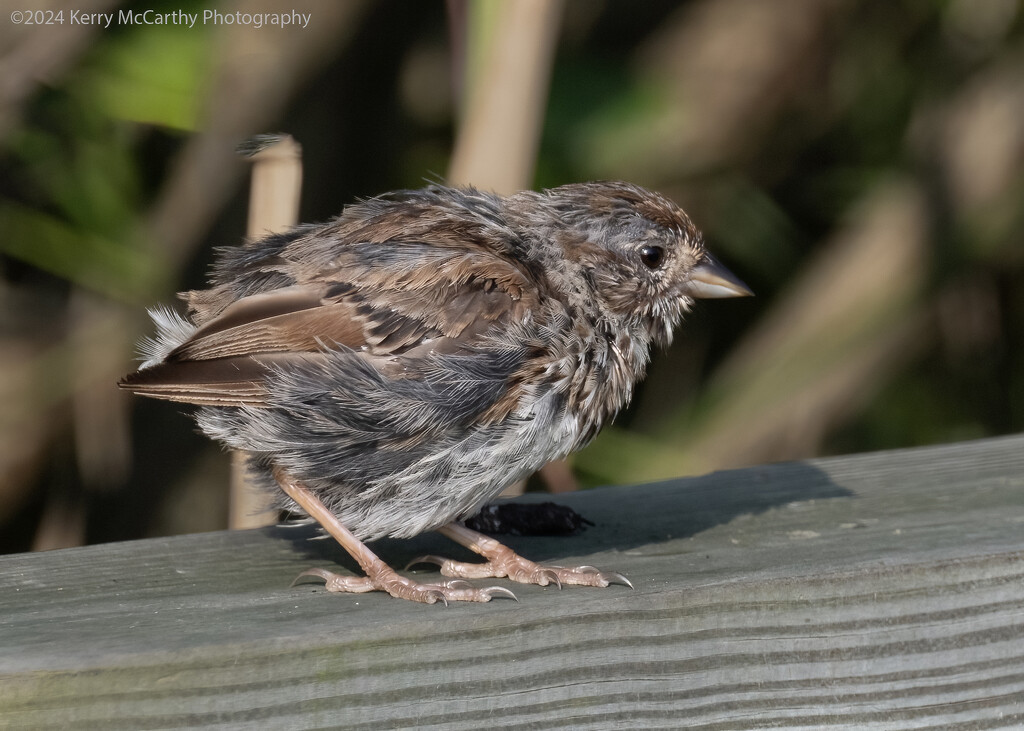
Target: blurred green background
(859, 164)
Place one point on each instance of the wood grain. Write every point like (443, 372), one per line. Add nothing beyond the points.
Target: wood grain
(879, 591)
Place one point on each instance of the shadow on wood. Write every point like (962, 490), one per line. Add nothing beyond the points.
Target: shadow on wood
(635, 516)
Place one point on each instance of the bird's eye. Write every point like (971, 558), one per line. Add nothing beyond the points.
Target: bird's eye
(652, 256)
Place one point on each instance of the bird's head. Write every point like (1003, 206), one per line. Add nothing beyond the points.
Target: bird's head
(642, 258)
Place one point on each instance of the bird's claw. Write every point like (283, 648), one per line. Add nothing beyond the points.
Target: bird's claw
(607, 577)
(436, 560)
(494, 591)
(549, 575)
(404, 588)
(614, 577)
(319, 573)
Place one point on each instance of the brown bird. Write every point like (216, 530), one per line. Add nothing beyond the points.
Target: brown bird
(394, 369)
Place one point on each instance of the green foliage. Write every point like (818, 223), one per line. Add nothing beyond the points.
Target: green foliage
(107, 264)
(154, 75)
(77, 167)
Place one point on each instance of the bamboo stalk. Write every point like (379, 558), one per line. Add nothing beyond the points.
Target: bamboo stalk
(511, 47)
(273, 207)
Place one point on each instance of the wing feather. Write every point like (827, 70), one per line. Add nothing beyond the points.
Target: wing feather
(380, 315)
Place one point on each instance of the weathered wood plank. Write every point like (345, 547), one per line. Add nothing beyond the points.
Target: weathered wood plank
(881, 591)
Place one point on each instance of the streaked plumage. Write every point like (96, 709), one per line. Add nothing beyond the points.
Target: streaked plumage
(411, 358)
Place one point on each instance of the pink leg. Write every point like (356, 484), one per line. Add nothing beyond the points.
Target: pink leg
(503, 561)
(379, 576)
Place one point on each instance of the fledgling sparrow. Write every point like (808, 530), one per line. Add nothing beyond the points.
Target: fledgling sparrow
(394, 369)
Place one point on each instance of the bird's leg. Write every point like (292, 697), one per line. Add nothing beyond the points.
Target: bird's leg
(379, 576)
(503, 561)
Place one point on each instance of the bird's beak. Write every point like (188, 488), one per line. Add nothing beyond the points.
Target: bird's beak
(711, 280)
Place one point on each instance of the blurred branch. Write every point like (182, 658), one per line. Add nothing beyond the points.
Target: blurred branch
(976, 140)
(32, 56)
(726, 70)
(101, 332)
(38, 379)
(850, 320)
(98, 335)
(27, 422)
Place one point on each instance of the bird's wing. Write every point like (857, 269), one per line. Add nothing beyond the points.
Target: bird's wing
(441, 301)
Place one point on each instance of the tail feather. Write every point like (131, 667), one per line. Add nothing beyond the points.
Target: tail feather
(217, 382)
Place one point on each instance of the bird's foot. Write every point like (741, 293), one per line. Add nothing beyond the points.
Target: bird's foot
(401, 587)
(379, 576)
(502, 561)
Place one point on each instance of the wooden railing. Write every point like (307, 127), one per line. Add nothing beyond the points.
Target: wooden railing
(871, 591)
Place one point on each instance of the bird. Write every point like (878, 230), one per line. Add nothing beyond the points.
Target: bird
(391, 371)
